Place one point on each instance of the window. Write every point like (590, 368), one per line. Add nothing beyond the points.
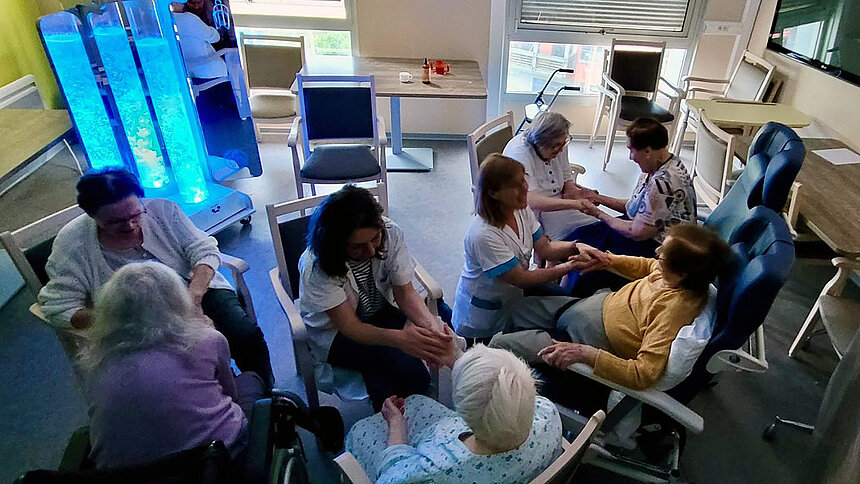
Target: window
(317, 42)
(531, 63)
(331, 9)
(605, 15)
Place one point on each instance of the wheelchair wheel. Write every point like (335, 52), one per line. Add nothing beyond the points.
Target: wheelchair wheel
(769, 433)
(289, 467)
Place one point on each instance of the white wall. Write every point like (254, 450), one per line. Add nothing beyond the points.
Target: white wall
(831, 101)
(444, 29)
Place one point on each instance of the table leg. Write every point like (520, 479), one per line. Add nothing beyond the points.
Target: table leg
(398, 158)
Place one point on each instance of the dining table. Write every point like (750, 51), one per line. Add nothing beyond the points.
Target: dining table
(463, 80)
(728, 113)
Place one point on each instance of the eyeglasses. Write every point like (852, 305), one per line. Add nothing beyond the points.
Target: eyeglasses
(119, 222)
(558, 146)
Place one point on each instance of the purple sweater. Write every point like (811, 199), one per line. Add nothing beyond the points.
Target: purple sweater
(152, 403)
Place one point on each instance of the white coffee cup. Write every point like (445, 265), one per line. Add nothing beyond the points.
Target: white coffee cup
(405, 76)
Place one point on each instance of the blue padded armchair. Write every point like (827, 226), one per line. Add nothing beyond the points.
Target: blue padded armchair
(775, 158)
(342, 139)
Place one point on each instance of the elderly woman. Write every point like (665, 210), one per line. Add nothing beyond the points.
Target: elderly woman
(498, 245)
(501, 431)
(663, 197)
(356, 296)
(553, 195)
(158, 374)
(624, 335)
(119, 228)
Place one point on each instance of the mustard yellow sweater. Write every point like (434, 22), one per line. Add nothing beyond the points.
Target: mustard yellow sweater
(641, 320)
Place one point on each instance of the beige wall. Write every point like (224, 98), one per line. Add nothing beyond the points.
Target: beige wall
(446, 29)
(831, 101)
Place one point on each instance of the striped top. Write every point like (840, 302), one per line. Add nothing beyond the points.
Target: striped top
(370, 300)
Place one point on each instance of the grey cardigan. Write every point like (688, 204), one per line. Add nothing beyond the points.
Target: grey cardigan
(77, 267)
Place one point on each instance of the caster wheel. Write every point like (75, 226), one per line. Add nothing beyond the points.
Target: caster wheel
(246, 220)
(806, 344)
(769, 433)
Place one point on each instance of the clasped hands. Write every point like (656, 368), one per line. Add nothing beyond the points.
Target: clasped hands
(561, 354)
(588, 259)
(437, 345)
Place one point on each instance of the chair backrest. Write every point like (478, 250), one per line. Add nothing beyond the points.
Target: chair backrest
(337, 108)
(352, 471)
(774, 160)
(561, 471)
(714, 154)
(270, 61)
(762, 254)
(490, 137)
(288, 224)
(636, 65)
(22, 93)
(750, 79)
(30, 246)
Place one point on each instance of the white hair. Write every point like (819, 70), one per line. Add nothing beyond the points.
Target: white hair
(547, 127)
(143, 305)
(494, 392)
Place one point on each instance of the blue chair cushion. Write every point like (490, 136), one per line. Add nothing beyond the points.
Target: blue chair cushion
(340, 162)
(633, 107)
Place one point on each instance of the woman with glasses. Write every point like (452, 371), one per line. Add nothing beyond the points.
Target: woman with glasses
(555, 198)
(120, 227)
(499, 245)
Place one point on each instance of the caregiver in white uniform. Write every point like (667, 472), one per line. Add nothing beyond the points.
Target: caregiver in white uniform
(498, 246)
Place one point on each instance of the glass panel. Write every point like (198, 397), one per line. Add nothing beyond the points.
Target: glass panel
(531, 63)
(317, 42)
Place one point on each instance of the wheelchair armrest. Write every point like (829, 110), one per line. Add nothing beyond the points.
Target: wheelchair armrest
(238, 267)
(352, 469)
(657, 399)
(434, 291)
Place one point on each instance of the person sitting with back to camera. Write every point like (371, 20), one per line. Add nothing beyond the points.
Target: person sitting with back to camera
(500, 430)
(558, 201)
(121, 227)
(624, 335)
(498, 247)
(663, 197)
(158, 376)
(357, 299)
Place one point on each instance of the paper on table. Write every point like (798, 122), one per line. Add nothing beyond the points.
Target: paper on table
(839, 156)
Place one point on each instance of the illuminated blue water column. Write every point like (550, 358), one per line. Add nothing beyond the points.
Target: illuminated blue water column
(62, 36)
(154, 38)
(121, 70)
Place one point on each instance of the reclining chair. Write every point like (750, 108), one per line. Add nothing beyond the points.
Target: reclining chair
(288, 237)
(775, 158)
(763, 253)
(274, 452)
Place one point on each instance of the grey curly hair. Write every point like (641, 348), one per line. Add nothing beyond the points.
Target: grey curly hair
(547, 127)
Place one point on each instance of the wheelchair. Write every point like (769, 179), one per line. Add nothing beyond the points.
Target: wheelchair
(274, 453)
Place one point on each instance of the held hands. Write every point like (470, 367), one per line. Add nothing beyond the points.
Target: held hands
(562, 355)
(454, 348)
(588, 259)
(393, 409)
(428, 344)
(588, 207)
(581, 193)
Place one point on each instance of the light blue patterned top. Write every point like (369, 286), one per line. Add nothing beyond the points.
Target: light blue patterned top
(436, 454)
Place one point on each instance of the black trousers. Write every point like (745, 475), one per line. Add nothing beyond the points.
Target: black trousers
(247, 345)
(386, 370)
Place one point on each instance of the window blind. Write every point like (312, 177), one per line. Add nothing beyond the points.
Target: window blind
(642, 15)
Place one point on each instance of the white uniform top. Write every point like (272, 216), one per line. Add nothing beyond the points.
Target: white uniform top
(547, 179)
(490, 252)
(319, 292)
(195, 41)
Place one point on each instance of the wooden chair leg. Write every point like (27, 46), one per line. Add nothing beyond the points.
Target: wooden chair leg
(806, 330)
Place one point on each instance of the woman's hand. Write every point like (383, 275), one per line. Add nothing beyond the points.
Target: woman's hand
(578, 192)
(393, 409)
(587, 207)
(589, 259)
(454, 350)
(562, 355)
(424, 343)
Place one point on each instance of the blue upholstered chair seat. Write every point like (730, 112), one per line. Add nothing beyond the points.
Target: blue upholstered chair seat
(340, 162)
(633, 107)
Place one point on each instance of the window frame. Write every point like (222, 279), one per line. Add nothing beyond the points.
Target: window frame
(516, 32)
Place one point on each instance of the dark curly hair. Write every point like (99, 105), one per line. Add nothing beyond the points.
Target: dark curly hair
(104, 187)
(334, 221)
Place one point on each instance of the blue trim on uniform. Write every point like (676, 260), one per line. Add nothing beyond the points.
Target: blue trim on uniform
(486, 304)
(538, 234)
(501, 268)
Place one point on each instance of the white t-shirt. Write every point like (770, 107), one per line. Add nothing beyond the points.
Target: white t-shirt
(490, 252)
(319, 292)
(548, 179)
(195, 41)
